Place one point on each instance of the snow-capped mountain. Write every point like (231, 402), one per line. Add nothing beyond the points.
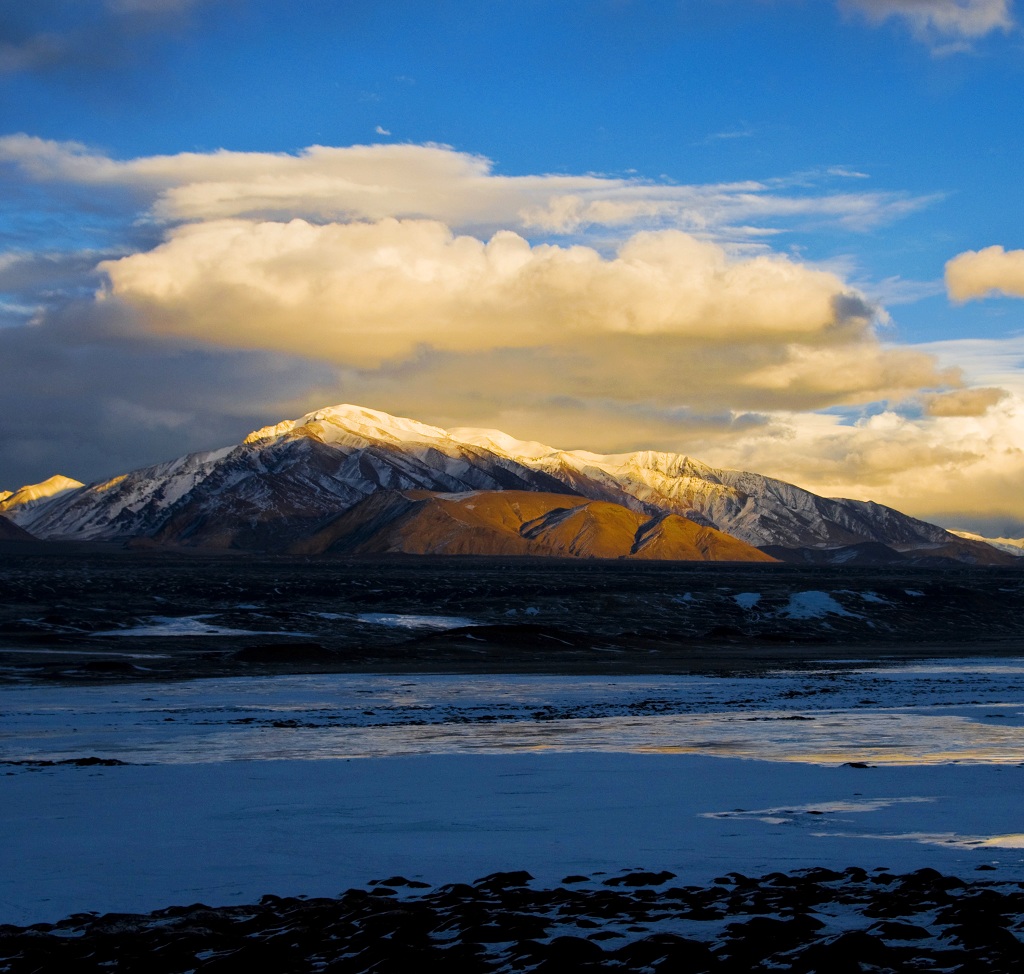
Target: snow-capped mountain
(279, 483)
(36, 496)
(288, 481)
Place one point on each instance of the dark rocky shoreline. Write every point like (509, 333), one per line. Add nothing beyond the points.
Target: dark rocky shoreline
(813, 920)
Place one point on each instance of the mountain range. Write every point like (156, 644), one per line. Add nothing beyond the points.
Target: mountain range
(352, 480)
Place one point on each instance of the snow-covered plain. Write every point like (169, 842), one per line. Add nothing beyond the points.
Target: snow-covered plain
(234, 788)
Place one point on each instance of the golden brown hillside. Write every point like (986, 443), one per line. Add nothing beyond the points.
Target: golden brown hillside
(514, 522)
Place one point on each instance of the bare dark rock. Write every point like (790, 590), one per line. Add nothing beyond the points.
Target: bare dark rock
(640, 879)
(895, 930)
(751, 925)
(289, 652)
(505, 880)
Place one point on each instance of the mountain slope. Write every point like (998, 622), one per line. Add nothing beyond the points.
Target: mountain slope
(9, 531)
(517, 522)
(286, 482)
(757, 509)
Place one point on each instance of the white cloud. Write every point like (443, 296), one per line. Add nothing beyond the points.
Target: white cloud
(897, 290)
(983, 273)
(150, 6)
(985, 362)
(371, 182)
(846, 173)
(746, 132)
(932, 20)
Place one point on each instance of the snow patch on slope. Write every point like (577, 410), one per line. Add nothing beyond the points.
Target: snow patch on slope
(813, 605)
(187, 626)
(502, 443)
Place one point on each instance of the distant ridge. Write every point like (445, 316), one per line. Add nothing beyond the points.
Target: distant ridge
(1013, 546)
(287, 483)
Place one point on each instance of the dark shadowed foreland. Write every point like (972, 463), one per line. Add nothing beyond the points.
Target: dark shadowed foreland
(82, 612)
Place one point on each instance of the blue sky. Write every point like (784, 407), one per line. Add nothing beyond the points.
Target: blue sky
(790, 179)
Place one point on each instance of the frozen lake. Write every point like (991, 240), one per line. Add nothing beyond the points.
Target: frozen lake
(233, 788)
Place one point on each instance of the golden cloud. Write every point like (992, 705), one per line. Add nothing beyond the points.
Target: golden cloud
(963, 402)
(982, 273)
(667, 316)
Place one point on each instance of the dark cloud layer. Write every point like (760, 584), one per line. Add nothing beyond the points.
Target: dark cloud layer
(49, 36)
(80, 396)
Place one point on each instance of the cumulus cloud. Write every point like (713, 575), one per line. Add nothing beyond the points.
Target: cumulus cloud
(667, 313)
(958, 461)
(928, 465)
(982, 273)
(371, 182)
(963, 402)
(371, 291)
(931, 20)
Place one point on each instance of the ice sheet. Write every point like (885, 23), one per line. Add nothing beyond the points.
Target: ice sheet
(468, 775)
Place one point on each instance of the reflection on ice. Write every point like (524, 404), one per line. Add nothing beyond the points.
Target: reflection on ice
(950, 839)
(968, 667)
(1005, 841)
(922, 715)
(912, 740)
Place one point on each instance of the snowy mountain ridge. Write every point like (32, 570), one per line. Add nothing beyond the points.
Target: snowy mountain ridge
(1014, 546)
(288, 480)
